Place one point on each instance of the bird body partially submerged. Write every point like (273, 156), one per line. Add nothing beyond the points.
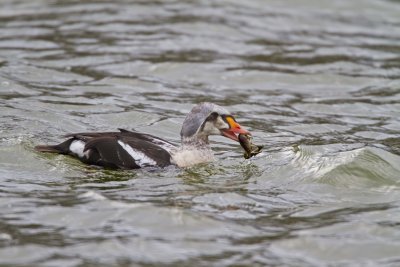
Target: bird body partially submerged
(123, 149)
(131, 150)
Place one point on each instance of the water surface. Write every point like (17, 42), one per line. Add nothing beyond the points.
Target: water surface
(317, 82)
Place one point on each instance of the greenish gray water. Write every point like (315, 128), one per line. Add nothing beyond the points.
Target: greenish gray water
(317, 82)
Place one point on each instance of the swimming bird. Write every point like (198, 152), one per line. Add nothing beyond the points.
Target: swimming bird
(132, 150)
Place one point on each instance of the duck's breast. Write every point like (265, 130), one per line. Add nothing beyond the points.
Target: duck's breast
(186, 157)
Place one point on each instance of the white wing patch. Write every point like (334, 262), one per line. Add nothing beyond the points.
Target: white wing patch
(77, 147)
(140, 158)
(163, 144)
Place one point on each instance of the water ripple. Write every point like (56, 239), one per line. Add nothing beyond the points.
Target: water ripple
(317, 83)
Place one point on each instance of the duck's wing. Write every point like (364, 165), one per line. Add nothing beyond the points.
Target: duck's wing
(164, 144)
(168, 146)
(125, 152)
(124, 149)
(105, 151)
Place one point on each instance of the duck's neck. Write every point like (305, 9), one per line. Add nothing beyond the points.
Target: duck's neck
(195, 142)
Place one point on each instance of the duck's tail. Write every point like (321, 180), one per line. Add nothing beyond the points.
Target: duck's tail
(50, 149)
(62, 148)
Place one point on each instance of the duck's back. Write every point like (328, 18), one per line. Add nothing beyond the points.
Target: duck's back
(124, 149)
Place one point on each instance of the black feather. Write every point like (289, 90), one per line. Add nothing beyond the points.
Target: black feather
(103, 149)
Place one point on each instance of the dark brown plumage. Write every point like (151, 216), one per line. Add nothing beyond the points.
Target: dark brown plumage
(103, 149)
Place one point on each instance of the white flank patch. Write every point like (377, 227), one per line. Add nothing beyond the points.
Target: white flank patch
(164, 145)
(140, 158)
(77, 147)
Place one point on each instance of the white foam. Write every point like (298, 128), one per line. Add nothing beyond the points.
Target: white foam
(77, 147)
(93, 195)
(140, 158)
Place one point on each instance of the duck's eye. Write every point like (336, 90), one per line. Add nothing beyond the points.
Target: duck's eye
(213, 116)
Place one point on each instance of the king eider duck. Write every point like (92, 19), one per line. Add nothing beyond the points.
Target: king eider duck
(131, 150)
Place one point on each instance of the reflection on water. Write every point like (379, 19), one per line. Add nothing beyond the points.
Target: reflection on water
(316, 82)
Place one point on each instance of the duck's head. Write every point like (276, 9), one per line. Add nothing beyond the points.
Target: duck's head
(209, 119)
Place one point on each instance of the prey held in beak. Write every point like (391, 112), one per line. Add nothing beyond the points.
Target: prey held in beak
(250, 149)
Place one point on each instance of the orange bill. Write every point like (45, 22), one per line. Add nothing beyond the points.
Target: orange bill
(234, 128)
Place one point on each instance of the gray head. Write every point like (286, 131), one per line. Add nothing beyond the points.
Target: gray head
(209, 119)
